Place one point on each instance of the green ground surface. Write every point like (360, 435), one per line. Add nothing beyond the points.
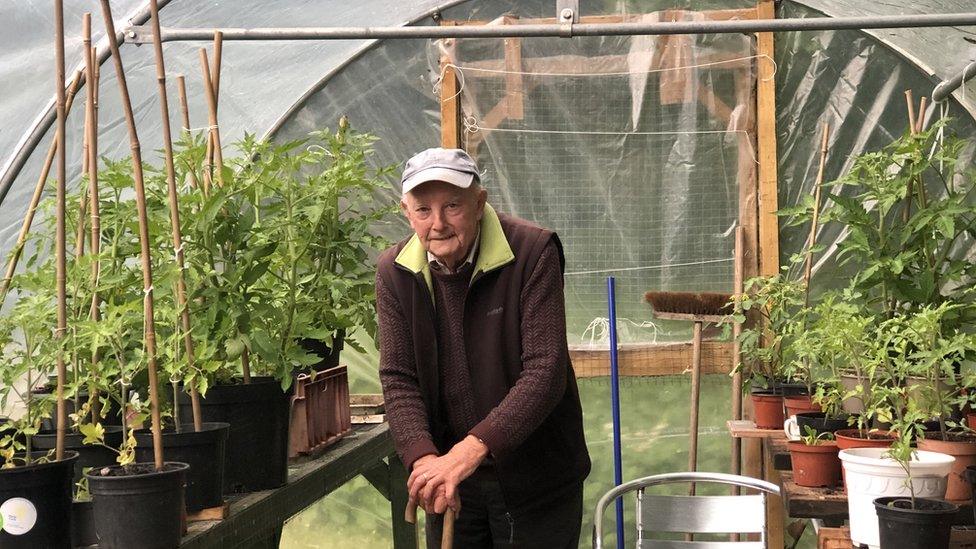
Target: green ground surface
(654, 417)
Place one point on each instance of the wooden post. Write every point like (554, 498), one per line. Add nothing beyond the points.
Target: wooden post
(147, 282)
(450, 110)
(404, 534)
(766, 134)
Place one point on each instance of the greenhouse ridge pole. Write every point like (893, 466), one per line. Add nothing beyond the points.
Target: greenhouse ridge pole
(140, 34)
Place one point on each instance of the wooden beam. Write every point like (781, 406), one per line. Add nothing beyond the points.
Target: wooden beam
(404, 534)
(514, 89)
(651, 359)
(450, 110)
(766, 134)
(379, 476)
(258, 515)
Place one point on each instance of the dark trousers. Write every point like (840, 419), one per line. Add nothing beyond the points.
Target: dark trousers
(552, 522)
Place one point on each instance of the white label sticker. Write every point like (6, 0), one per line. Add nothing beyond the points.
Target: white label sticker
(19, 516)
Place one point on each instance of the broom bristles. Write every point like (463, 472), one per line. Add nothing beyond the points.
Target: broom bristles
(691, 303)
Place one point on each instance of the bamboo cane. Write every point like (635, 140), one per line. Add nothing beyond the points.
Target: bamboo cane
(35, 198)
(812, 239)
(147, 282)
(185, 110)
(920, 124)
(218, 156)
(218, 42)
(174, 213)
(59, 239)
(95, 243)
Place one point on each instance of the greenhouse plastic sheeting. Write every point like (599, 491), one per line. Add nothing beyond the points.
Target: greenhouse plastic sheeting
(624, 184)
(259, 80)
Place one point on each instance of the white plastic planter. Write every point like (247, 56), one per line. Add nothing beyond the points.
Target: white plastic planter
(870, 476)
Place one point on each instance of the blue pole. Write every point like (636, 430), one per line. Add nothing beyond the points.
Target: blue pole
(615, 404)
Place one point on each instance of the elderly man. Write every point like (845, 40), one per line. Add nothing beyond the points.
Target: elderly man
(479, 389)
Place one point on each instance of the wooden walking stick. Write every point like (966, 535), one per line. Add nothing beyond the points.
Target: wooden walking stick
(147, 282)
(174, 215)
(697, 308)
(447, 534)
(59, 239)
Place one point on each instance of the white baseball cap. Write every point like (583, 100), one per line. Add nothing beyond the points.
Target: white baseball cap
(452, 166)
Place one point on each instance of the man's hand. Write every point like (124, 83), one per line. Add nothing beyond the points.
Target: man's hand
(434, 480)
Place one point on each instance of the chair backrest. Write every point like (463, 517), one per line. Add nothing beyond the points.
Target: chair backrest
(744, 514)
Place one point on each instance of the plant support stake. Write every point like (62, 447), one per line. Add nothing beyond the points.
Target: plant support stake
(147, 282)
(59, 244)
(174, 219)
(615, 405)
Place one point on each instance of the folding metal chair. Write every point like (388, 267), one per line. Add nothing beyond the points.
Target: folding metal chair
(743, 514)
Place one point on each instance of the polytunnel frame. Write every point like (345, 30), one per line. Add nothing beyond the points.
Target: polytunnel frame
(137, 33)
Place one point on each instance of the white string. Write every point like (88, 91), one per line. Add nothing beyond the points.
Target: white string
(148, 290)
(460, 72)
(201, 128)
(471, 126)
(603, 324)
(649, 267)
(623, 73)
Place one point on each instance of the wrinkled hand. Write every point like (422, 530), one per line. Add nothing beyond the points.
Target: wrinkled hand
(434, 480)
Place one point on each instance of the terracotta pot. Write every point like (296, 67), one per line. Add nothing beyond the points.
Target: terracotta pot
(853, 438)
(799, 404)
(816, 465)
(964, 450)
(768, 410)
(971, 419)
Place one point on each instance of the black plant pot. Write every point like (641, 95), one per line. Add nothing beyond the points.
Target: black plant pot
(83, 524)
(88, 455)
(329, 355)
(203, 451)
(970, 475)
(819, 422)
(927, 526)
(35, 504)
(789, 388)
(113, 417)
(257, 445)
(138, 506)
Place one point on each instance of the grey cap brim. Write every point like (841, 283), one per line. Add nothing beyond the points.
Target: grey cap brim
(447, 175)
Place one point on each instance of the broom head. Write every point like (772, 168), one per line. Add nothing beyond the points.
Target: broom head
(711, 306)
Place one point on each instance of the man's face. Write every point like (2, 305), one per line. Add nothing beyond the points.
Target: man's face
(445, 218)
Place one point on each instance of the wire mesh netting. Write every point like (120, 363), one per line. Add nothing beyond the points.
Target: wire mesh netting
(632, 149)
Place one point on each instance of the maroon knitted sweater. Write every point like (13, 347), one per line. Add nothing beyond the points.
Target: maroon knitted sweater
(542, 384)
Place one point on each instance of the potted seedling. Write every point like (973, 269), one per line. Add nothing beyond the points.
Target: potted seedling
(901, 471)
(35, 488)
(149, 495)
(767, 345)
(814, 459)
(913, 522)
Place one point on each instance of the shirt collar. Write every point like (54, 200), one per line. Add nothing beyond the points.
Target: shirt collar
(437, 264)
